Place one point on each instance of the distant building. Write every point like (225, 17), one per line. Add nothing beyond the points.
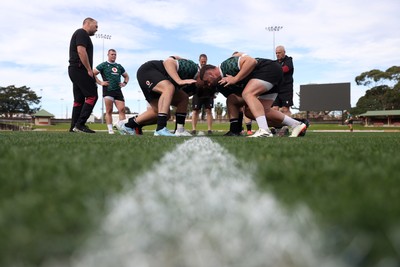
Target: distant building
(381, 118)
(42, 117)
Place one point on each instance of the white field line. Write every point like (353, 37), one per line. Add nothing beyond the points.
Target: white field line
(195, 208)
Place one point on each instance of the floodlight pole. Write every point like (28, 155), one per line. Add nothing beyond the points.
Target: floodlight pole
(62, 107)
(273, 29)
(108, 37)
(139, 92)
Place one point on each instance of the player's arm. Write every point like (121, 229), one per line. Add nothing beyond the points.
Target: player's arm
(98, 81)
(176, 57)
(287, 65)
(238, 54)
(95, 73)
(126, 79)
(247, 65)
(83, 56)
(171, 66)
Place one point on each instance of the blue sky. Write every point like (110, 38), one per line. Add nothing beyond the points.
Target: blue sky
(330, 41)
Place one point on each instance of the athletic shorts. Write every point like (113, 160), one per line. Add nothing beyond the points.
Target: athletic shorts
(284, 99)
(190, 89)
(231, 89)
(113, 95)
(206, 102)
(269, 71)
(149, 75)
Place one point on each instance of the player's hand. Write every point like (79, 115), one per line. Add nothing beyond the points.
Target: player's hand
(186, 82)
(90, 73)
(228, 80)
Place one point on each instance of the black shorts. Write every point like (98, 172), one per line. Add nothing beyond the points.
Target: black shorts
(206, 102)
(149, 75)
(190, 89)
(83, 85)
(284, 99)
(116, 94)
(232, 89)
(269, 71)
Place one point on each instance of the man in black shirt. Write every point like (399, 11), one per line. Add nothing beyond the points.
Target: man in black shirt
(284, 100)
(80, 71)
(203, 98)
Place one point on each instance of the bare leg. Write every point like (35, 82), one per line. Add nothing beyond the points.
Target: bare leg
(109, 109)
(286, 111)
(148, 117)
(167, 90)
(234, 103)
(209, 119)
(121, 109)
(195, 117)
(180, 100)
(250, 94)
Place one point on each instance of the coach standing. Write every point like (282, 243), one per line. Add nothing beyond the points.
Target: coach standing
(80, 72)
(284, 100)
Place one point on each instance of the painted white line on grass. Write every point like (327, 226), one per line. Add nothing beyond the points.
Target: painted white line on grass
(197, 209)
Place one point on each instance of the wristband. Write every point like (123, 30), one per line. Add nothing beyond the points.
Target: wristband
(125, 82)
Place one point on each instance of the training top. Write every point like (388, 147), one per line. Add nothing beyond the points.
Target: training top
(111, 72)
(230, 66)
(288, 70)
(187, 69)
(265, 69)
(80, 37)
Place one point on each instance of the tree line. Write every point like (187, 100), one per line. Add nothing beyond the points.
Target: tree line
(384, 92)
(18, 100)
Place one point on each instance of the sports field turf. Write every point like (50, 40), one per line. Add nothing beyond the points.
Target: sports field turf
(55, 188)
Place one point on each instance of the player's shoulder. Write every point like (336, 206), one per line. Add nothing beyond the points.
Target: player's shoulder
(81, 33)
(187, 61)
(101, 65)
(118, 65)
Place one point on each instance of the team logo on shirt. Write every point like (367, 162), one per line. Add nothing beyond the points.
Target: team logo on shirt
(114, 69)
(149, 84)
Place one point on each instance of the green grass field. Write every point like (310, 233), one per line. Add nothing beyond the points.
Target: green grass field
(221, 126)
(55, 187)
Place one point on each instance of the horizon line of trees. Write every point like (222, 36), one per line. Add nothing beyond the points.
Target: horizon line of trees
(384, 92)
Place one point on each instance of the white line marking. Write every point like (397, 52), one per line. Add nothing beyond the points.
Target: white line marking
(196, 208)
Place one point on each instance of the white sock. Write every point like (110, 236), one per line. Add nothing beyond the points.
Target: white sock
(262, 122)
(109, 127)
(290, 122)
(180, 128)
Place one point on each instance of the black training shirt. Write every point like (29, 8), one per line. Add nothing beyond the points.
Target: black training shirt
(80, 37)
